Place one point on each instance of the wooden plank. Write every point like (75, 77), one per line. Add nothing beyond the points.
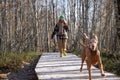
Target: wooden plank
(52, 67)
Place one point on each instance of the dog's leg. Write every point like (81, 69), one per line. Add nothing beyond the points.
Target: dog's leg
(102, 71)
(89, 69)
(101, 68)
(83, 58)
(90, 73)
(100, 64)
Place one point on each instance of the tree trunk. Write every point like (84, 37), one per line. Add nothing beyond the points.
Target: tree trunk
(117, 24)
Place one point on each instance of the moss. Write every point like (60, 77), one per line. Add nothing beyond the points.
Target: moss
(12, 62)
(111, 62)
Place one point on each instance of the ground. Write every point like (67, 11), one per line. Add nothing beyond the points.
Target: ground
(26, 73)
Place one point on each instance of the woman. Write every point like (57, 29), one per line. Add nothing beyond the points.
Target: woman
(60, 30)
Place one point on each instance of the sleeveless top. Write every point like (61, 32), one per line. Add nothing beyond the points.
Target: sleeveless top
(60, 31)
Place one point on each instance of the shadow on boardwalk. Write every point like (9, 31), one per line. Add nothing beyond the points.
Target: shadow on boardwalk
(52, 67)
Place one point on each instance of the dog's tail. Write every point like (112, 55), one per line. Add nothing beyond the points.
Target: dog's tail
(82, 44)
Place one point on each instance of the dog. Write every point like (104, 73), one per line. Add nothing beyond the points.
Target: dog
(91, 54)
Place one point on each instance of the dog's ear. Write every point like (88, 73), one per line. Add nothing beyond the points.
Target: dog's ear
(95, 36)
(86, 37)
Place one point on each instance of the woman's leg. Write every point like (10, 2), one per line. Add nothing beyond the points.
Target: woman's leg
(64, 46)
(59, 41)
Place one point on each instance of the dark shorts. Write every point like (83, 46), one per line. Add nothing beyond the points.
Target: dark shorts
(62, 36)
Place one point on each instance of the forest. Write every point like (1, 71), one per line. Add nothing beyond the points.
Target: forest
(27, 25)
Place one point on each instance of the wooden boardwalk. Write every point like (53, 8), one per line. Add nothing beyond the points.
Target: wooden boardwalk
(51, 67)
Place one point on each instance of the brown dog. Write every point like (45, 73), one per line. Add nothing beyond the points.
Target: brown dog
(91, 54)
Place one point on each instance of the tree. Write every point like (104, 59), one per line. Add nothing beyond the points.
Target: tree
(117, 24)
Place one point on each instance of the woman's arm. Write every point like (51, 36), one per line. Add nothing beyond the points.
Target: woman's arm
(55, 31)
(66, 25)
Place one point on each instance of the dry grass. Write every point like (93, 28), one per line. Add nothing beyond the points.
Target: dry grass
(12, 62)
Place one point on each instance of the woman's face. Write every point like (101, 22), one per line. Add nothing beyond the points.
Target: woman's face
(61, 20)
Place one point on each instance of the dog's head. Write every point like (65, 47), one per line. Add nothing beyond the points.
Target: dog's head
(93, 43)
